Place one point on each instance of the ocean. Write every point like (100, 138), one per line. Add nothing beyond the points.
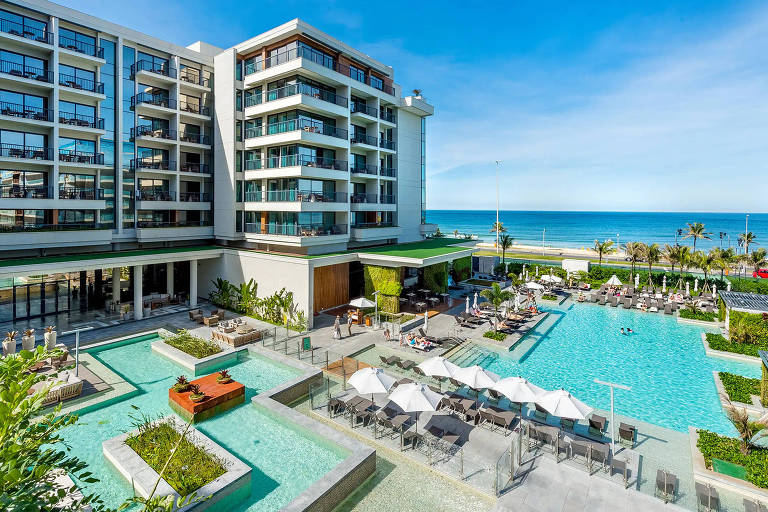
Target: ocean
(580, 229)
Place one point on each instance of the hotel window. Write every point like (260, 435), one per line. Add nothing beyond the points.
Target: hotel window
(252, 65)
(377, 83)
(253, 96)
(281, 156)
(307, 52)
(77, 77)
(77, 112)
(24, 26)
(11, 220)
(238, 161)
(190, 103)
(77, 186)
(189, 74)
(19, 64)
(239, 131)
(152, 155)
(158, 64)
(21, 139)
(17, 103)
(76, 217)
(357, 73)
(30, 184)
(76, 41)
(239, 191)
(238, 101)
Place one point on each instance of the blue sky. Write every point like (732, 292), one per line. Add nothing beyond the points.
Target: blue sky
(604, 106)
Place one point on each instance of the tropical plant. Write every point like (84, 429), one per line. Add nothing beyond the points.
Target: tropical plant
(223, 377)
(651, 255)
(745, 239)
(603, 248)
(498, 226)
(438, 234)
(703, 261)
(224, 295)
(496, 296)
(247, 300)
(417, 92)
(669, 253)
(722, 259)
(683, 260)
(182, 384)
(697, 231)
(190, 344)
(455, 233)
(505, 242)
(741, 422)
(758, 259)
(195, 393)
(634, 251)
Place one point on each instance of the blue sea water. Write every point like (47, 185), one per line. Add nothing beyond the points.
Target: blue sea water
(580, 229)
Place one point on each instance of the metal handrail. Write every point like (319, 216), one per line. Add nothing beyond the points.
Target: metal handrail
(81, 47)
(81, 120)
(27, 112)
(84, 84)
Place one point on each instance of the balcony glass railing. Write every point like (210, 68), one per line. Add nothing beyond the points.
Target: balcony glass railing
(81, 120)
(293, 90)
(154, 164)
(80, 157)
(28, 152)
(387, 199)
(363, 198)
(253, 132)
(86, 194)
(368, 225)
(25, 192)
(195, 167)
(145, 224)
(155, 195)
(153, 67)
(296, 160)
(305, 196)
(157, 100)
(362, 108)
(253, 196)
(27, 112)
(390, 172)
(157, 133)
(81, 47)
(361, 138)
(81, 84)
(388, 116)
(194, 197)
(387, 144)
(51, 227)
(33, 33)
(194, 108)
(195, 138)
(32, 73)
(194, 77)
(296, 229)
(365, 169)
(307, 125)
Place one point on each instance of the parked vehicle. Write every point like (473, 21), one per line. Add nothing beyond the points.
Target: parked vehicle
(763, 273)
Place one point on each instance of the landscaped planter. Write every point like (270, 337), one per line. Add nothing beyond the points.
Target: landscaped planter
(50, 339)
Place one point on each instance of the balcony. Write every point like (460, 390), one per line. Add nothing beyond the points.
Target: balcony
(25, 152)
(194, 108)
(373, 225)
(369, 169)
(361, 138)
(388, 172)
(81, 121)
(25, 112)
(144, 224)
(389, 117)
(194, 138)
(388, 144)
(387, 199)
(155, 133)
(70, 156)
(82, 194)
(27, 228)
(294, 161)
(194, 77)
(30, 73)
(362, 198)
(374, 231)
(37, 236)
(194, 197)
(155, 195)
(305, 196)
(307, 125)
(253, 196)
(180, 230)
(294, 90)
(81, 47)
(151, 164)
(362, 108)
(25, 192)
(302, 230)
(81, 84)
(156, 100)
(32, 33)
(195, 167)
(151, 67)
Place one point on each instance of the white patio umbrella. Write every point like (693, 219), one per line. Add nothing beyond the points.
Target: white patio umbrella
(415, 397)
(637, 280)
(426, 320)
(537, 271)
(520, 276)
(475, 303)
(729, 286)
(466, 309)
(517, 389)
(438, 367)
(371, 381)
(475, 377)
(687, 288)
(664, 284)
(696, 284)
(564, 405)
(613, 281)
(361, 302)
(517, 302)
(552, 279)
(531, 285)
(714, 290)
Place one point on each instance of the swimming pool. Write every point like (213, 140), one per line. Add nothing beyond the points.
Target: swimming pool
(663, 362)
(284, 459)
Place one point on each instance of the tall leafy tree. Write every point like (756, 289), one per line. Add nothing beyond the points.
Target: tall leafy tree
(505, 242)
(723, 259)
(498, 226)
(758, 259)
(496, 296)
(683, 256)
(634, 251)
(697, 231)
(704, 262)
(669, 253)
(603, 248)
(651, 255)
(745, 239)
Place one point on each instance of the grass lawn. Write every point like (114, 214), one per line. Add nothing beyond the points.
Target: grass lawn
(418, 250)
(192, 345)
(480, 282)
(99, 255)
(719, 342)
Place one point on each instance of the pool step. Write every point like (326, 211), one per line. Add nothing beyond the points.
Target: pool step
(473, 354)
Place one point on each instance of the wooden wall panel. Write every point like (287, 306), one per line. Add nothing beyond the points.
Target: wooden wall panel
(331, 286)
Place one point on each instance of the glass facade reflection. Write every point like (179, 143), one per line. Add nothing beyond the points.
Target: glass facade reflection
(107, 145)
(128, 177)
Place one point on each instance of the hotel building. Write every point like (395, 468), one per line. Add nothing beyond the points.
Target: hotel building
(130, 166)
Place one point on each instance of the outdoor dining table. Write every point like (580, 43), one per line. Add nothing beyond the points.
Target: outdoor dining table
(444, 296)
(434, 301)
(420, 306)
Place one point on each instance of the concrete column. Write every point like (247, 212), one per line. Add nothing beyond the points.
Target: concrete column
(138, 292)
(169, 278)
(193, 283)
(116, 286)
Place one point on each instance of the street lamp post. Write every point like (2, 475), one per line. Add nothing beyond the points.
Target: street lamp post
(746, 230)
(612, 385)
(498, 163)
(618, 247)
(543, 235)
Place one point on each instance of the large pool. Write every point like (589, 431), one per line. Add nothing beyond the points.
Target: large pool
(663, 362)
(284, 460)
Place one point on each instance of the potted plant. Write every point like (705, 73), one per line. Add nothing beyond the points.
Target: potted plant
(195, 394)
(9, 343)
(223, 377)
(28, 340)
(182, 384)
(50, 337)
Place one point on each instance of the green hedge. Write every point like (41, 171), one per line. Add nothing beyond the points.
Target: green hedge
(436, 277)
(385, 280)
(714, 446)
(549, 296)
(719, 342)
(498, 336)
(749, 285)
(697, 315)
(463, 268)
(748, 328)
(738, 388)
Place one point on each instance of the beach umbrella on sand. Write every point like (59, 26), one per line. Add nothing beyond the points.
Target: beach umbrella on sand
(564, 405)
(475, 303)
(475, 377)
(415, 397)
(371, 381)
(438, 367)
(517, 389)
(361, 302)
(466, 309)
(613, 281)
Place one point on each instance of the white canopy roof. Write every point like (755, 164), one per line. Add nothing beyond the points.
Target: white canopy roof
(613, 281)
(361, 302)
(551, 278)
(475, 377)
(531, 285)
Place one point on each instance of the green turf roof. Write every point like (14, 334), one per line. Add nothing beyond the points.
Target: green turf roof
(101, 255)
(417, 250)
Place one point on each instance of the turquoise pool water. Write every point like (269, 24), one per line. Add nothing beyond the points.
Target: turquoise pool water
(284, 460)
(664, 363)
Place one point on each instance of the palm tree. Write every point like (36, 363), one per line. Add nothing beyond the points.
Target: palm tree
(670, 254)
(603, 248)
(696, 231)
(745, 239)
(758, 259)
(741, 422)
(683, 260)
(498, 226)
(634, 251)
(496, 296)
(651, 255)
(455, 233)
(704, 262)
(723, 259)
(505, 242)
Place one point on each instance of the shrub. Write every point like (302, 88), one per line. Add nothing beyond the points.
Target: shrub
(549, 296)
(385, 280)
(498, 336)
(714, 446)
(738, 388)
(192, 345)
(691, 314)
(719, 342)
(748, 328)
(463, 268)
(436, 277)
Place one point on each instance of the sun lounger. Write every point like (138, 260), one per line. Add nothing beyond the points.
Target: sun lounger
(601, 300)
(463, 323)
(193, 312)
(540, 414)
(627, 435)
(627, 302)
(597, 425)
(614, 301)
(668, 309)
(579, 451)
(389, 361)
(494, 395)
(567, 424)
(622, 467)
(754, 506)
(666, 486)
(707, 498)
(405, 365)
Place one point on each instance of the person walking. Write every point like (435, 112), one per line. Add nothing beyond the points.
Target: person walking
(349, 324)
(337, 328)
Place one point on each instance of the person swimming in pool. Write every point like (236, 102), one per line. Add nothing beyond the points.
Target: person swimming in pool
(630, 331)
(622, 331)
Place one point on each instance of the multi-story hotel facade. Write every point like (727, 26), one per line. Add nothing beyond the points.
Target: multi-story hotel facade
(131, 166)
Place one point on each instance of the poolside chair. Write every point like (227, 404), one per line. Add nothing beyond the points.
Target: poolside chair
(540, 414)
(627, 302)
(494, 395)
(614, 301)
(622, 467)
(627, 435)
(389, 361)
(579, 450)
(193, 312)
(405, 365)
(51, 397)
(601, 300)
(567, 424)
(754, 506)
(707, 498)
(597, 425)
(72, 389)
(599, 452)
(413, 438)
(668, 309)
(666, 486)
(463, 323)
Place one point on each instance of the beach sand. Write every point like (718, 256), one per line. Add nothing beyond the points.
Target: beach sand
(554, 251)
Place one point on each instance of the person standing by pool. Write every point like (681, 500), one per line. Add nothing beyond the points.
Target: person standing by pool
(337, 328)
(349, 324)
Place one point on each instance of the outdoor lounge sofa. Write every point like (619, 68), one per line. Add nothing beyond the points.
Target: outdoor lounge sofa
(389, 361)
(235, 339)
